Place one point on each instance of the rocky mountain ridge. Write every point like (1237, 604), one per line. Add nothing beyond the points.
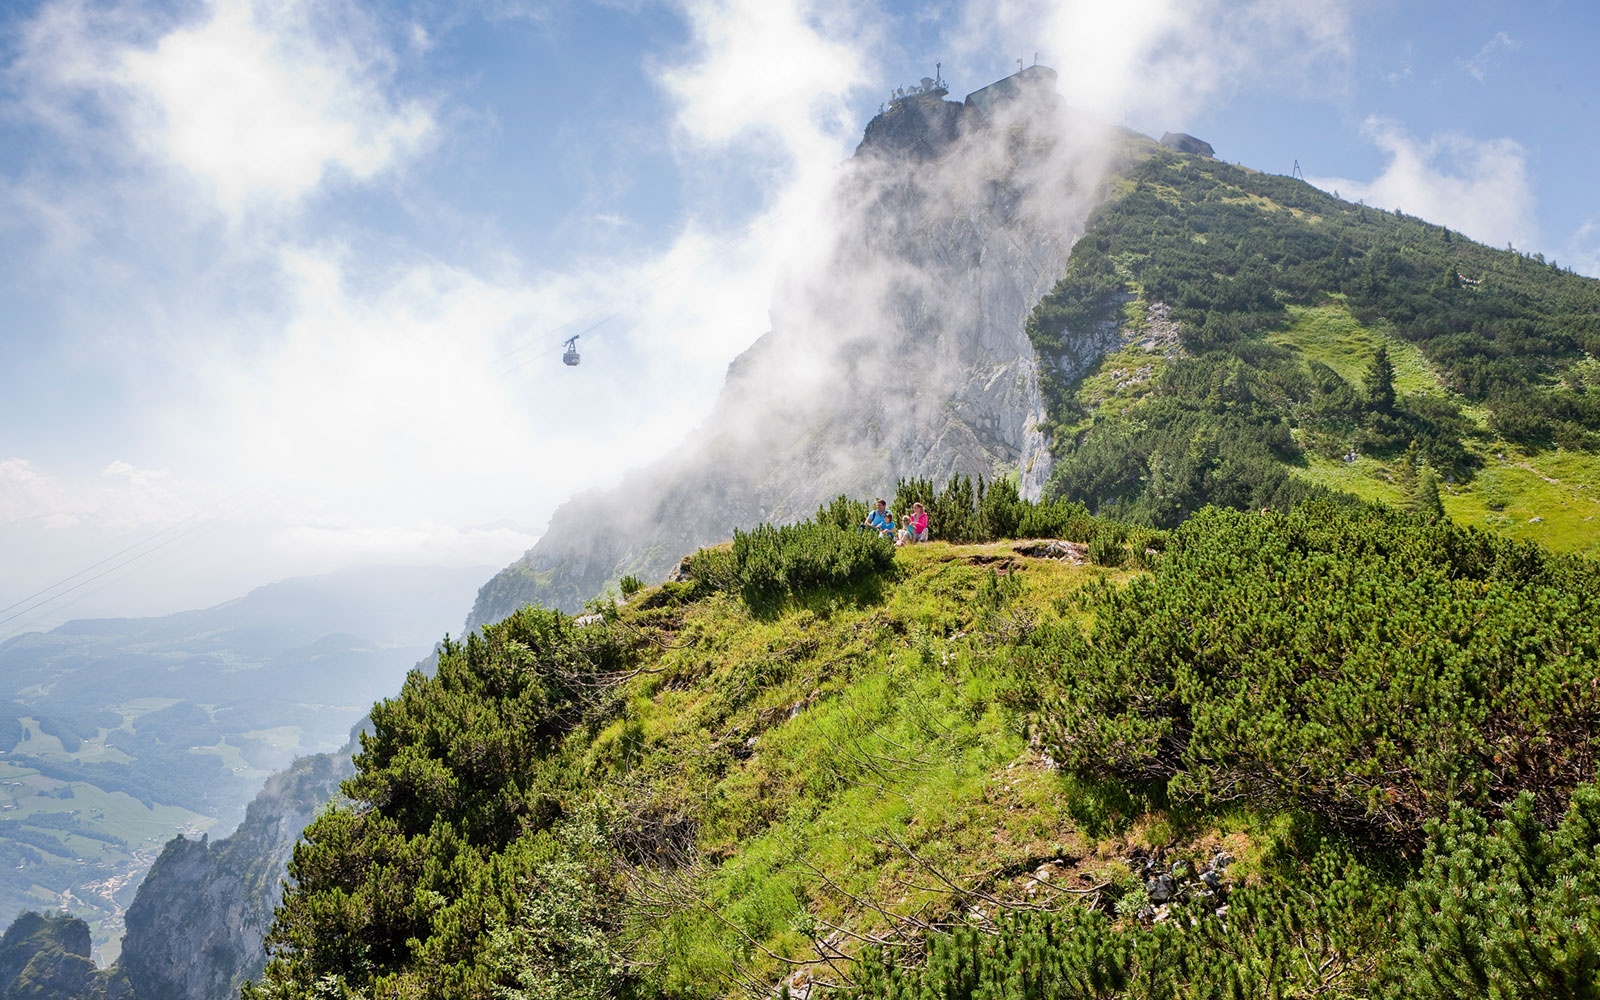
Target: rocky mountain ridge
(897, 344)
(195, 928)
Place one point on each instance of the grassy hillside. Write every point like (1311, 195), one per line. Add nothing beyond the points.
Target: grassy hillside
(1255, 308)
(1271, 765)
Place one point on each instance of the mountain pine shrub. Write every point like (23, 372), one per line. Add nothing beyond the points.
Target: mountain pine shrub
(1318, 934)
(772, 562)
(1356, 663)
(1504, 910)
(447, 822)
(963, 512)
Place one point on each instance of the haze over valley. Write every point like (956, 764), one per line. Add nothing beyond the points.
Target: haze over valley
(118, 734)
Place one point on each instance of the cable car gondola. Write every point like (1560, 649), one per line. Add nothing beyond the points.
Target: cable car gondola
(571, 357)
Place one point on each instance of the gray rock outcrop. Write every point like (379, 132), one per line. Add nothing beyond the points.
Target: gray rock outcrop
(195, 930)
(47, 956)
(1183, 142)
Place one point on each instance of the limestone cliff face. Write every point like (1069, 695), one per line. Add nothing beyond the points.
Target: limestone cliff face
(897, 348)
(195, 930)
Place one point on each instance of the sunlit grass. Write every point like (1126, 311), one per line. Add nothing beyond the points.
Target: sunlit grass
(845, 750)
(1330, 334)
(1550, 497)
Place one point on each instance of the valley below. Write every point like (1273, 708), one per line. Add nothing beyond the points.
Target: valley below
(118, 735)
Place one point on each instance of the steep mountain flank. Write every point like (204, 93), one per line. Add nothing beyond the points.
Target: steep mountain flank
(1281, 341)
(1252, 307)
(897, 343)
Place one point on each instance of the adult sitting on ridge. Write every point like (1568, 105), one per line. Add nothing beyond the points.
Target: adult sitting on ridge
(880, 520)
(916, 526)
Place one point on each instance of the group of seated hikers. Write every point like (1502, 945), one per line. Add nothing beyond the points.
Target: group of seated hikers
(913, 526)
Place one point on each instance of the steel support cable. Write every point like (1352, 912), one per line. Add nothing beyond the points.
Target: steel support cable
(113, 568)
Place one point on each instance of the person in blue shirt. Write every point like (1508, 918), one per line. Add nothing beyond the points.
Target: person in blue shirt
(880, 520)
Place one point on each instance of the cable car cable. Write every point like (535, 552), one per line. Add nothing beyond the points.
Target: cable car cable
(111, 569)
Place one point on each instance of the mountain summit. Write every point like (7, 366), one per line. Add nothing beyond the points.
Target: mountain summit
(897, 342)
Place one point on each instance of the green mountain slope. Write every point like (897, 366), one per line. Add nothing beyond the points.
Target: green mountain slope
(1274, 764)
(1253, 308)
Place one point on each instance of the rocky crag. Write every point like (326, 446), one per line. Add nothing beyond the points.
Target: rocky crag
(897, 345)
(47, 956)
(194, 931)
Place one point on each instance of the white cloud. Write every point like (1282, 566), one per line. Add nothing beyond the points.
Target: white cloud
(254, 102)
(349, 377)
(765, 69)
(1477, 186)
(1488, 57)
(1167, 58)
(1583, 248)
(260, 100)
(122, 498)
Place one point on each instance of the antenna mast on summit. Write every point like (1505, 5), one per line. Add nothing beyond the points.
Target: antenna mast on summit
(1296, 172)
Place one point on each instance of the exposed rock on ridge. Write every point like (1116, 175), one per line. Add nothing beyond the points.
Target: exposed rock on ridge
(897, 348)
(47, 956)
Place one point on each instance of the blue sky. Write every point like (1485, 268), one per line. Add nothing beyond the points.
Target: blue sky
(281, 281)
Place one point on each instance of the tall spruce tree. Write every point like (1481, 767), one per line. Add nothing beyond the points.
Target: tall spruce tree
(1379, 381)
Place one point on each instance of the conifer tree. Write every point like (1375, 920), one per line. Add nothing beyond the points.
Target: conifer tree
(1406, 472)
(1379, 381)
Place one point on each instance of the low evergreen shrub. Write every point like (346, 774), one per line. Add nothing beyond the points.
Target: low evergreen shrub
(843, 512)
(1504, 910)
(771, 562)
(965, 512)
(1361, 664)
(1313, 936)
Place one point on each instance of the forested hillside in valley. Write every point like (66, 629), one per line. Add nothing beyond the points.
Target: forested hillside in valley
(1281, 342)
(117, 735)
(1341, 751)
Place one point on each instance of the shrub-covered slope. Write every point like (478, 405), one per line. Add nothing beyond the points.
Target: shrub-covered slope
(1280, 339)
(1340, 750)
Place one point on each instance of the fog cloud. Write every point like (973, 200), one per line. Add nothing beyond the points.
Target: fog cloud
(1164, 60)
(378, 402)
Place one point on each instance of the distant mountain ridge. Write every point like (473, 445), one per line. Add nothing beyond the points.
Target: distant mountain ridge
(117, 734)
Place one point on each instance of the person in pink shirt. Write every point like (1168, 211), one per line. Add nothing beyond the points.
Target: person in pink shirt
(916, 527)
